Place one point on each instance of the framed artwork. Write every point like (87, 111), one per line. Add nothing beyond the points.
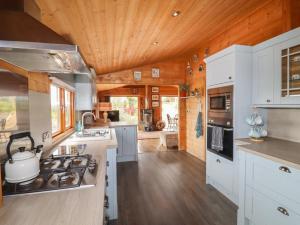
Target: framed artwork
(155, 97)
(155, 89)
(137, 75)
(155, 73)
(155, 104)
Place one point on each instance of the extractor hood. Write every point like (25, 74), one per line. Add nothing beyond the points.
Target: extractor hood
(29, 44)
(43, 57)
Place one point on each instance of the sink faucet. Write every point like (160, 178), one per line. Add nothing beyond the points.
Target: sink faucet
(82, 119)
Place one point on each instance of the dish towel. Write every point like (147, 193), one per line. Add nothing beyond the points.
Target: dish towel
(217, 138)
(198, 128)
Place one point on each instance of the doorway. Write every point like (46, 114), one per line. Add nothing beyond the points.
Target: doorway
(169, 106)
(128, 108)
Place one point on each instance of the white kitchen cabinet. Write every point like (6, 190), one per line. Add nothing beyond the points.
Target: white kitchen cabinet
(268, 192)
(220, 173)
(221, 70)
(111, 183)
(287, 71)
(276, 71)
(263, 77)
(127, 143)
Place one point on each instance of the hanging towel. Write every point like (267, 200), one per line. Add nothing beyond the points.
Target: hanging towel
(217, 138)
(198, 128)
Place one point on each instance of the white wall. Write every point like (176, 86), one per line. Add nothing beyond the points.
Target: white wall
(284, 124)
(40, 117)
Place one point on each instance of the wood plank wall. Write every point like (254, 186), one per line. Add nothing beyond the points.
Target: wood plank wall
(272, 19)
(171, 73)
(38, 82)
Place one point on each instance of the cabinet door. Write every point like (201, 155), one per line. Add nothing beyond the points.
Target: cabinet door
(221, 70)
(220, 170)
(129, 140)
(119, 134)
(263, 77)
(287, 71)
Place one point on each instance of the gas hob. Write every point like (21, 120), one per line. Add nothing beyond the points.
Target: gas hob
(56, 173)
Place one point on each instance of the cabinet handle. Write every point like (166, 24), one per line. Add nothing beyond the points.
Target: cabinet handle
(285, 169)
(107, 163)
(283, 211)
(218, 161)
(268, 100)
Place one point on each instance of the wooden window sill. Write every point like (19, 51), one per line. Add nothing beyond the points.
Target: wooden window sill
(58, 138)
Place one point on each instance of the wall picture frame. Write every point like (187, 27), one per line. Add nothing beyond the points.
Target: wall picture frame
(155, 89)
(155, 104)
(155, 72)
(137, 75)
(155, 97)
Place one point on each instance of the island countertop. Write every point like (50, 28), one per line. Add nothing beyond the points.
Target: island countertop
(63, 207)
(100, 123)
(282, 151)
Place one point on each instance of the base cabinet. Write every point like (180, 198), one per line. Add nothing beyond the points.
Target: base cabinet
(220, 174)
(127, 143)
(111, 201)
(269, 192)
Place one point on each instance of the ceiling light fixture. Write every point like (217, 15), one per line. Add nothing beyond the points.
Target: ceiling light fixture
(176, 13)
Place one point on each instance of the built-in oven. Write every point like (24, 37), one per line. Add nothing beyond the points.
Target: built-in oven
(220, 121)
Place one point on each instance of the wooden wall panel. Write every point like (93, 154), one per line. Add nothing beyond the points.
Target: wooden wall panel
(172, 72)
(262, 24)
(38, 82)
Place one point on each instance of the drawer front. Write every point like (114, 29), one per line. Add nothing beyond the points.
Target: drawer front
(274, 178)
(270, 212)
(220, 170)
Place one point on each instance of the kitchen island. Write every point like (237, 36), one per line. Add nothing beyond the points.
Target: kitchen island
(76, 206)
(127, 139)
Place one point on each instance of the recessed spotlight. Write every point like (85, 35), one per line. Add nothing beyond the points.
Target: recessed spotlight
(176, 13)
(155, 43)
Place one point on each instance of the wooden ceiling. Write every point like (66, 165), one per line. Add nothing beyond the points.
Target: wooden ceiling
(119, 34)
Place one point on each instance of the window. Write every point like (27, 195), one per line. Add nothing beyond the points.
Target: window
(62, 109)
(128, 108)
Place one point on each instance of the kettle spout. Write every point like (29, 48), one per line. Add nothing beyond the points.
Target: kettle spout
(39, 151)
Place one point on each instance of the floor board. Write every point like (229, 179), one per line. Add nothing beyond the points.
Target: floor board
(168, 188)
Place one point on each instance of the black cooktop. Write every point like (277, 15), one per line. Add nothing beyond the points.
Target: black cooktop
(55, 173)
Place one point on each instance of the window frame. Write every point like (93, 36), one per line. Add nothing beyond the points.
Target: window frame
(62, 106)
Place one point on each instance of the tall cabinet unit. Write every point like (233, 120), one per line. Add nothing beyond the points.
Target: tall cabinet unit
(231, 66)
(276, 72)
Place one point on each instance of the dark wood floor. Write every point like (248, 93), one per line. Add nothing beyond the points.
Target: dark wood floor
(168, 188)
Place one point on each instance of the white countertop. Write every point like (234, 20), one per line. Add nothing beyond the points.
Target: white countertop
(70, 206)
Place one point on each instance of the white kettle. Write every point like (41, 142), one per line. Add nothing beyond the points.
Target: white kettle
(23, 165)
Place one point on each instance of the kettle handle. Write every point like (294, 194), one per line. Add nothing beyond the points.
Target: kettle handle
(17, 136)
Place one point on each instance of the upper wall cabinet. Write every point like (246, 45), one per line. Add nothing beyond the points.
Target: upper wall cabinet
(276, 71)
(263, 77)
(287, 67)
(221, 70)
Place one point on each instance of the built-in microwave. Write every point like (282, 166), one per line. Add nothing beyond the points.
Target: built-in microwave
(219, 102)
(220, 106)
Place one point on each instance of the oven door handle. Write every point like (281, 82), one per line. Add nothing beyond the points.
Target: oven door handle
(226, 129)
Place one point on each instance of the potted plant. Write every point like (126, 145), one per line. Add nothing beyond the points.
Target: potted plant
(184, 89)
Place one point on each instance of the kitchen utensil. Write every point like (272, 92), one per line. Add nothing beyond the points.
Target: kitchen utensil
(22, 165)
